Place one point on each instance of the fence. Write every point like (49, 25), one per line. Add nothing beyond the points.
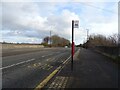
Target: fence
(114, 50)
(13, 46)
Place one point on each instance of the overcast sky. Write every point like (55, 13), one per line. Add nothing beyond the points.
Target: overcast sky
(31, 20)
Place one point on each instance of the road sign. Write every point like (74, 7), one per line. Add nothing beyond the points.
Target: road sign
(76, 24)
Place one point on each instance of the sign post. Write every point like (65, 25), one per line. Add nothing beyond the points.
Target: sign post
(75, 24)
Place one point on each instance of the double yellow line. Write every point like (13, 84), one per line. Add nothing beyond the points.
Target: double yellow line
(45, 81)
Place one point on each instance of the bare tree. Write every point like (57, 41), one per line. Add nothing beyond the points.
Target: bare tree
(101, 40)
(56, 41)
(46, 39)
(59, 41)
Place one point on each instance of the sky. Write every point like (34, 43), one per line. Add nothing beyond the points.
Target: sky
(29, 21)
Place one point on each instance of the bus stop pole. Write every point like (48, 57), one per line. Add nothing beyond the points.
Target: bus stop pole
(72, 50)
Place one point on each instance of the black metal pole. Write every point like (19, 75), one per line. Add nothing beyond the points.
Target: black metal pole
(72, 44)
(87, 34)
(50, 38)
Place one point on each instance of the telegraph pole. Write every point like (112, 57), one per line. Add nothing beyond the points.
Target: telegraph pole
(50, 38)
(87, 38)
(87, 34)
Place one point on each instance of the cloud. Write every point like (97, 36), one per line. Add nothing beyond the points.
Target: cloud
(104, 28)
(102, 20)
(22, 21)
(59, 0)
(62, 23)
(35, 20)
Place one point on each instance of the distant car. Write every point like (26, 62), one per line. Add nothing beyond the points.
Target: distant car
(66, 46)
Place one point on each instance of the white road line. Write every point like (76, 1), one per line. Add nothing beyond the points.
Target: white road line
(17, 64)
(30, 60)
(43, 56)
(47, 55)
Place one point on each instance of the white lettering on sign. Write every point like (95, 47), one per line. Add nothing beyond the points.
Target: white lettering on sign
(76, 24)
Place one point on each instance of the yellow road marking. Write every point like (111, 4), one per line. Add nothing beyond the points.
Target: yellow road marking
(50, 67)
(44, 82)
(35, 65)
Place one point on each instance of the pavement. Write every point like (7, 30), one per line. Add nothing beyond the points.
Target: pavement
(90, 70)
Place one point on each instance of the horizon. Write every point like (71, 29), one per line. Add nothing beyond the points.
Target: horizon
(33, 21)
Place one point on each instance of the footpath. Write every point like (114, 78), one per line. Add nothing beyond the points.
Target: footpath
(90, 70)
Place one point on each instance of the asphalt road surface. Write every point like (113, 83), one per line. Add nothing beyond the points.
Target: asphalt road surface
(26, 68)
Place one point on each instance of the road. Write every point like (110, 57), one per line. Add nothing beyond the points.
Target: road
(26, 68)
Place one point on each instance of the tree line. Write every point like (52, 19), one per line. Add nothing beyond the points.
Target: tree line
(101, 40)
(55, 41)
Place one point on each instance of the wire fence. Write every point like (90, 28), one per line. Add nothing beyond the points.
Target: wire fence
(111, 50)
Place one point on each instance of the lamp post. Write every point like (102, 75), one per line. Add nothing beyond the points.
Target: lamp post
(87, 34)
(87, 38)
(50, 38)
